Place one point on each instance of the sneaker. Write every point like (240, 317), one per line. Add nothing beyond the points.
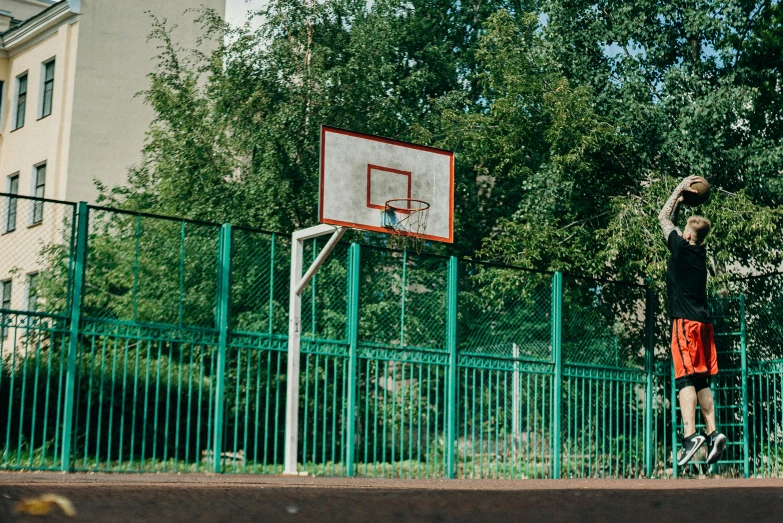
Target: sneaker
(689, 447)
(716, 442)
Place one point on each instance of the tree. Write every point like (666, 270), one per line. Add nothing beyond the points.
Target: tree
(544, 161)
(237, 127)
(688, 85)
(569, 126)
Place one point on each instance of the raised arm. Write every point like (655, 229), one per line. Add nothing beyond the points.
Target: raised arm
(668, 215)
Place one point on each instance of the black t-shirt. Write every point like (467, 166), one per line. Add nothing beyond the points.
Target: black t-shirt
(686, 280)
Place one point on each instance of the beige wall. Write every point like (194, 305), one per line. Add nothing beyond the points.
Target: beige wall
(98, 124)
(39, 140)
(109, 122)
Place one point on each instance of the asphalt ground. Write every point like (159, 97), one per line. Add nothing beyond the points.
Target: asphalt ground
(240, 498)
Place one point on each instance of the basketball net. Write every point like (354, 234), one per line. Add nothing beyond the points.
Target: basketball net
(406, 221)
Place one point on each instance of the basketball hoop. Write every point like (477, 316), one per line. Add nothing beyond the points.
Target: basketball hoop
(406, 221)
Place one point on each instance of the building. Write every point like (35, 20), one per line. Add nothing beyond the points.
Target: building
(69, 74)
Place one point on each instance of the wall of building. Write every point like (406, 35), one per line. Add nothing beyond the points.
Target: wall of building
(109, 121)
(41, 140)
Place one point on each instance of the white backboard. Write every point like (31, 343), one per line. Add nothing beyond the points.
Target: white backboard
(360, 172)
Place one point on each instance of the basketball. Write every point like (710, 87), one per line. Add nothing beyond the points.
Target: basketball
(698, 193)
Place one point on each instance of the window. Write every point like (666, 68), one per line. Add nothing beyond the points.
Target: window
(5, 303)
(10, 211)
(21, 100)
(48, 89)
(32, 292)
(38, 192)
(5, 294)
(2, 92)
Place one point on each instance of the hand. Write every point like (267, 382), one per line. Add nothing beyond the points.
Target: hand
(685, 185)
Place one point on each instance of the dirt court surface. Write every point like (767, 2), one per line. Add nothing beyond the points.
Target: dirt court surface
(240, 498)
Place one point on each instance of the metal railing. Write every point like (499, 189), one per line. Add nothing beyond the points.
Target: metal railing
(134, 342)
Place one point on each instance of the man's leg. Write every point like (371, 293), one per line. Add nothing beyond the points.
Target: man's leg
(707, 408)
(691, 440)
(683, 373)
(716, 441)
(687, 398)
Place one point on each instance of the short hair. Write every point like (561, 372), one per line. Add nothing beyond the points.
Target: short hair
(700, 228)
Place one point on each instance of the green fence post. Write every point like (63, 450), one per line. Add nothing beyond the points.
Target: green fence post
(649, 365)
(451, 342)
(73, 341)
(353, 340)
(673, 401)
(221, 320)
(744, 360)
(557, 355)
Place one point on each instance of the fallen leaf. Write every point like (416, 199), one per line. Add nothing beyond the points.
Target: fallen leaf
(44, 504)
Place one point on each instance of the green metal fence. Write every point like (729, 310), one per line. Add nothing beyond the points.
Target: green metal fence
(133, 342)
(755, 333)
(36, 269)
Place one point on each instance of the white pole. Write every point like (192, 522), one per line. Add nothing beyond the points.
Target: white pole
(338, 233)
(292, 375)
(294, 332)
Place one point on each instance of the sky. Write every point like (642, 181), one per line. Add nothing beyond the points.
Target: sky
(236, 10)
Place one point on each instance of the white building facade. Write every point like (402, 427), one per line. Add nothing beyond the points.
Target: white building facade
(70, 72)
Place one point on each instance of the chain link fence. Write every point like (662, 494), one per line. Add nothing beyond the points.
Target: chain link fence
(604, 378)
(36, 243)
(757, 335)
(133, 342)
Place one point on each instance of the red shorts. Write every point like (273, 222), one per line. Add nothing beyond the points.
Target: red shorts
(693, 348)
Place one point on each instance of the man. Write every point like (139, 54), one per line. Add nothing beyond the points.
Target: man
(693, 344)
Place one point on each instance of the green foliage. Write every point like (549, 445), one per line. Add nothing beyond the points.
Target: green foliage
(499, 308)
(743, 237)
(571, 120)
(690, 88)
(541, 155)
(237, 121)
(151, 270)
